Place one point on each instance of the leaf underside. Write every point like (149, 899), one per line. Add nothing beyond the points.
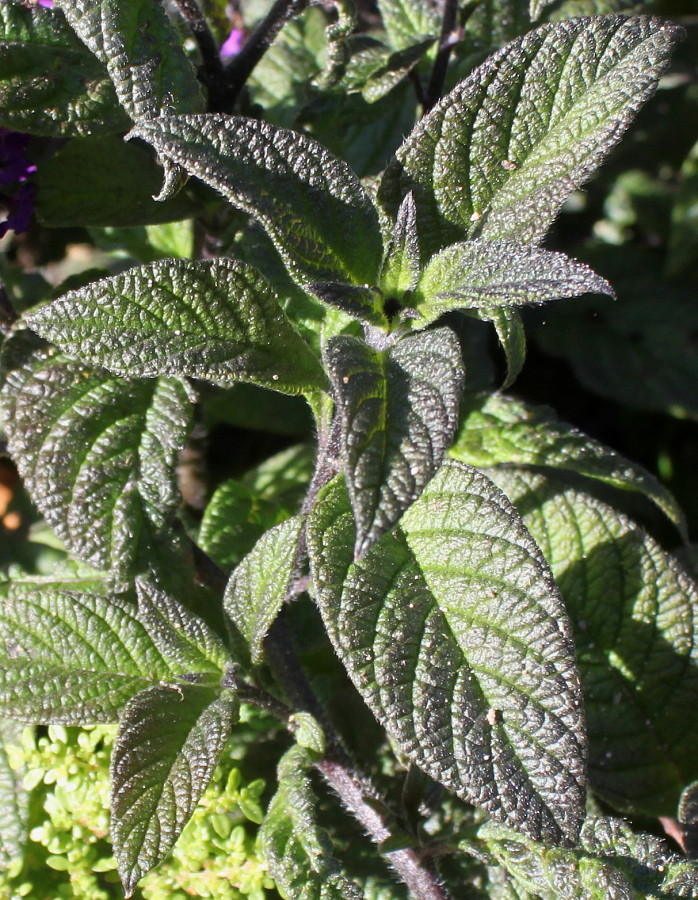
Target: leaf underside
(564, 93)
(635, 615)
(96, 452)
(454, 633)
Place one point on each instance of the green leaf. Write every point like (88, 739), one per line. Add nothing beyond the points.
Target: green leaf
(496, 429)
(169, 743)
(215, 319)
(453, 631)
(310, 203)
(337, 51)
(512, 337)
(611, 862)
(103, 181)
(50, 84)
(405, 21)
(142, 52)
(402, 267)
(184, 640)
(14, 800)
(96, 452)
(359, 301)
(260, 584)
(398, 410)
(234, 520)
(285, 474)
(297, 850)
(393, 68)
(632, 607)
(72, 658)
(499, 155)
(489, 274)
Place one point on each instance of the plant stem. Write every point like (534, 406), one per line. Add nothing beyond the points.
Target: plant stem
(338, 770)
(451, 34)
(213, 75)
(241, 66)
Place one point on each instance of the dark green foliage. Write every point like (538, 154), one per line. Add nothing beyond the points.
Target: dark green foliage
(475, 622)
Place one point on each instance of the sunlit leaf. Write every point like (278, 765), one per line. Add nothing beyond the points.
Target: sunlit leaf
(453, 631)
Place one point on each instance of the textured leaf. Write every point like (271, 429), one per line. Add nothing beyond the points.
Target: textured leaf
(402, 267)
(496, 429)
(611, 862)
(14, 800)
(512, 337)
(633, 609)
(454, 633)
(259, 585)
(184, 640)
(169, 743)
(394, 68)
(97, 453)
(72, 658)
(141, 50)
(487, 274)
(103, 181)
(407, 20)
(498, 156)
(50, 83)
(216, 319)
(359, 301)
(310, 203)
(234, 520)
(398, 411)
(297, 851)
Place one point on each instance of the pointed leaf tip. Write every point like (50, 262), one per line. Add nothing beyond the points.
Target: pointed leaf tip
(455, 634)
(499, 155)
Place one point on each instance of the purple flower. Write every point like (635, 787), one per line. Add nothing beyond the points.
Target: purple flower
(232, 45)
(47, 3)
(15, 169)
(19, 210)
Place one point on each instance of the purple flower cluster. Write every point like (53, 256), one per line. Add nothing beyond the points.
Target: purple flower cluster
(15, 169)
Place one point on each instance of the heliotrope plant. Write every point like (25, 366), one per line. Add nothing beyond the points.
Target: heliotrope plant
(451, 540)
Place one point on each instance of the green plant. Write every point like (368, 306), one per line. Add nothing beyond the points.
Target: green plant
(479, 567)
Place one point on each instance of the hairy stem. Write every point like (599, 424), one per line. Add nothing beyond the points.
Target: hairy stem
(354, 790)
(241, 66)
